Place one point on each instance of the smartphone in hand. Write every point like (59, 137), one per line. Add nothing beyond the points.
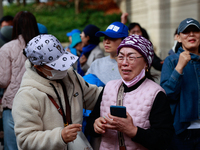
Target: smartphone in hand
(119, 111)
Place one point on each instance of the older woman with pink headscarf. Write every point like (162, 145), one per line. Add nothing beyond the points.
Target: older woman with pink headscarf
(148, 123)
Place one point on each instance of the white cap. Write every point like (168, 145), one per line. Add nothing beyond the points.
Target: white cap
(47, 50)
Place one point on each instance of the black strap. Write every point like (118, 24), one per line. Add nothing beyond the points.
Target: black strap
(61, 107)
(68, 107)
(55, 104)
(59, 99)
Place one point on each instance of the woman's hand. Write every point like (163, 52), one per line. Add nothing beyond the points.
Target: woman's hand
(124, 125)
(82, 60)
(124, 18)
(184, 58)
(99, 125)
(69, 133)
(68, 50)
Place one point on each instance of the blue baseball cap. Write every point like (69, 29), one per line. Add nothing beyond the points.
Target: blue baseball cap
(186, 23)
(42, 29)
(76, 38)
(73, 31)
(114, 30)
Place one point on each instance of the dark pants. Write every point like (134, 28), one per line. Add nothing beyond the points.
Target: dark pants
(187, 140)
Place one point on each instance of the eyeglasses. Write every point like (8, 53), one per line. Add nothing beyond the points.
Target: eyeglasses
(130, 58)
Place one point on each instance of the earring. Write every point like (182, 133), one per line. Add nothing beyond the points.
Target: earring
(147, 70)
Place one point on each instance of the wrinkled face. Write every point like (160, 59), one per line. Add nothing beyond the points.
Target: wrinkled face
(130, 63)
(84, 39)
(136, 30)
(190, 39)
(111, 44)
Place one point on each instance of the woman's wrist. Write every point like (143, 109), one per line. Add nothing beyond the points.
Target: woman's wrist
(132, 133)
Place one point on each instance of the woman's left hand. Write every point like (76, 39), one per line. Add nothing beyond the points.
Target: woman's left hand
(124, 125)
(82, 60)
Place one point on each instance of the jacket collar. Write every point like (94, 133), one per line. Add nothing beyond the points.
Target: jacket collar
(194, 57)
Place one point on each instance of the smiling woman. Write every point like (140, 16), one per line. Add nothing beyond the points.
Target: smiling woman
(180, 79)
(190, 39)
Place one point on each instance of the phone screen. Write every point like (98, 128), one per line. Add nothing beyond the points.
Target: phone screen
(119, 111)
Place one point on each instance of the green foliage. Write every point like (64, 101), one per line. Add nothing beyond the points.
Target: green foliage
(60, 19)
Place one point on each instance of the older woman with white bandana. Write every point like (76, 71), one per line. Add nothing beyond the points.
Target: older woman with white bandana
(148, 123)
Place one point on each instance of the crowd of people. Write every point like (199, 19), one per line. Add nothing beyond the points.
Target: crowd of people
(45, 89)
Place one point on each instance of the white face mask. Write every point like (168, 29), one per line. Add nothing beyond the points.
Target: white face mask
(136, 79)
(56, 75)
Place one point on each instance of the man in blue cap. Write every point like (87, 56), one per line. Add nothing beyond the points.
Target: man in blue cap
(70, 48)
(106, 69)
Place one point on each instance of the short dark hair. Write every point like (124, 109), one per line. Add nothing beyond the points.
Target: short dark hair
(123, 38)
(25, 23)
(6, 18)
(90, 30)
(94, 40)
(132, 25)
(145, 34)
(176, 31)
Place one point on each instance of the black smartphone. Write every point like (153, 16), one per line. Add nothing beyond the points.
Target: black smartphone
(119, 111)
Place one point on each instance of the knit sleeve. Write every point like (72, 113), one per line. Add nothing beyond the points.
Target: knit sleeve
(159, 135)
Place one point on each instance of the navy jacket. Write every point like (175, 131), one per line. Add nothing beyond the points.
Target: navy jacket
(183, 89)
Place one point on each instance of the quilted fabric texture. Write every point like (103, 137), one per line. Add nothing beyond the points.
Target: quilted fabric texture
(138, 104)
(11, 69)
